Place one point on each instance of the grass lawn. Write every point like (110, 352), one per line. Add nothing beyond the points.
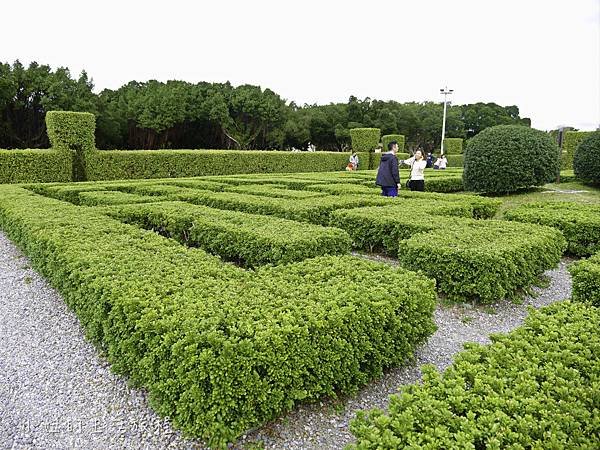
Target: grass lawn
(567, 192)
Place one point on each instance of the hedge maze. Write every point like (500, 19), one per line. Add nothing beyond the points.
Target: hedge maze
(232, 298)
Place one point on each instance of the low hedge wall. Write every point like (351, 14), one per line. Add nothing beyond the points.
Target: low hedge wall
(34, 166)
(219, 349)
(536, 387)
(586, 280)
(120, 164)
(579, 223)
(249, 239)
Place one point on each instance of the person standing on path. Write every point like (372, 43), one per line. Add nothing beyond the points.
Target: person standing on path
(417, 177)
(388, 176)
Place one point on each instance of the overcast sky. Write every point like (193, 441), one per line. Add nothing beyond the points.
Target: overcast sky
(543, 56)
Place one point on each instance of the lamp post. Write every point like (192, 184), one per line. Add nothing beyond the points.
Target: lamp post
(446, 92)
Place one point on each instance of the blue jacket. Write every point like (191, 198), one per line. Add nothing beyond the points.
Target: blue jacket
(388, 175)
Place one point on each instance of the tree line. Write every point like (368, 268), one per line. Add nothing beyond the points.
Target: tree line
(178, 114)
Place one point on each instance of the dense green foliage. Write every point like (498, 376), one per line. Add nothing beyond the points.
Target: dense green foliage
(219, 349)
(506, 158)
(177, 114)
(586, 280)
(586, 162)
(392, 137)
(364, 139)
(453, 146)
(579, 223)
(73, 132)
(570, 142)
(24, 166)
(247, 239)
(536, 387)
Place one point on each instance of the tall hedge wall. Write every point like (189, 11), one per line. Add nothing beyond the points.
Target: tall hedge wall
(453, 146)
(364, 139)
(41, 166)
(393, 137)
(122, 164)
(570, 142)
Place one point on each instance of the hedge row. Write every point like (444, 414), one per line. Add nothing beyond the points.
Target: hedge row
(470, 259)
(274, 190)
(248, 239)
(586, 280)
(453, 146)
(364, 139)
(536, 387)
(386, 139)
(34, 166)
(579, 223)
(570, 142)
(219, 349)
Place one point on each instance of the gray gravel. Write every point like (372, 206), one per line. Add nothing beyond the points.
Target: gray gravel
(57, 392)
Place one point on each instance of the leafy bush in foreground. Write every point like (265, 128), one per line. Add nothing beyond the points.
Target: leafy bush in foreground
(536, 387)
(586, 162)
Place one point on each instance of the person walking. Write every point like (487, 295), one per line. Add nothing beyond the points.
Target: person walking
(388, 176)
(417, 167)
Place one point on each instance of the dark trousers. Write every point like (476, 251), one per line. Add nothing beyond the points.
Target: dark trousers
(417, 185)
(389, 191)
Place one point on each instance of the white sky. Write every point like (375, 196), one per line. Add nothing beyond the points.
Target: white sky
(543, 56)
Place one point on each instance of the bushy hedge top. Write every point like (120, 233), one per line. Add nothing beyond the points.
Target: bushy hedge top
(392, 137)
(219, 349)
(586, 162)
(536, 387)
(506, 158)
(453, 146)
(69, 130)
(34, 166)
(586, 280)
(364, 139)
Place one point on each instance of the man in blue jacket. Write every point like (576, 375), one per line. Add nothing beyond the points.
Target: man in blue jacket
(388, 176)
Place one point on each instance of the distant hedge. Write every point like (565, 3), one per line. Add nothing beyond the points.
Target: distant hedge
(570, 142)
(123, 164)
(392, 137)
(453, 146)
(364, 139)
(40, 166)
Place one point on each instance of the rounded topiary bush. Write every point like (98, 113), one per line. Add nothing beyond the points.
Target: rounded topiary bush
(586, 161)
(506, 158)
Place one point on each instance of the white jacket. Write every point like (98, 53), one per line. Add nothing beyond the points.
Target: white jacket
(417, 168)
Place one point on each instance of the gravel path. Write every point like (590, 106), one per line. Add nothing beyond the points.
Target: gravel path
(56, 392)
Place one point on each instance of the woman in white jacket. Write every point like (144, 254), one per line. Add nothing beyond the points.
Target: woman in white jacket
(417, 177)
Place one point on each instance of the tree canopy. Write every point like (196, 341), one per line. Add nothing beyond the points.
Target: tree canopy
(178, 114)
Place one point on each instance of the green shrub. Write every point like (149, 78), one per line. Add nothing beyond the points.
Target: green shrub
(249, 239)
(586, 280)
(453, 146)
(219, 349)
(455, 160)
(112, 198)
(273, 191)
(506, 158)
(579, 223)
(392, 137)
(364, 139)
(586, 162)
(32, 166)
(444, 184)
(536, 387)
(571, 140)
(73, 132)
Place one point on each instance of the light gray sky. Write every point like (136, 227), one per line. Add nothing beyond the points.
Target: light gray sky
(543, 56)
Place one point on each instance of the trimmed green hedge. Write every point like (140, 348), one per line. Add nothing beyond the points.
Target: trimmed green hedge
(123, 164)
(219, 349)
(34, 166)
(392, 137)
(579, 223)
(248, 239)
(453, 146)
(73, 132)
(586, 280)
(570, 142)
(364, 139)
(586, 162)
(276, 191)
(534, 388)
